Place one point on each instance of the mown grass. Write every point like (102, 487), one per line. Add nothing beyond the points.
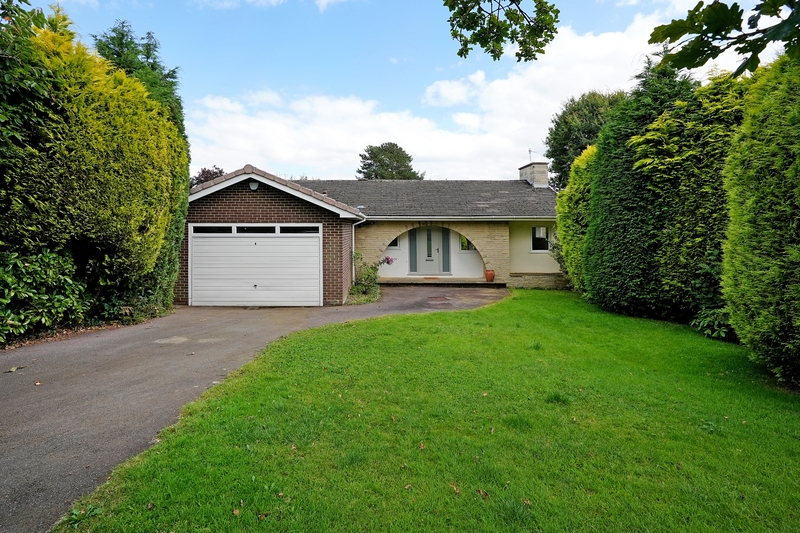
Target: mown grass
(539, 413)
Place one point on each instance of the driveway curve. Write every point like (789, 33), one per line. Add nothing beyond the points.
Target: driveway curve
(83, 405)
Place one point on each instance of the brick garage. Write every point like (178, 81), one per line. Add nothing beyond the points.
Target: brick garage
(230, 200)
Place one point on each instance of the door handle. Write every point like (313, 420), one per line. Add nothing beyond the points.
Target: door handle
(437, 250)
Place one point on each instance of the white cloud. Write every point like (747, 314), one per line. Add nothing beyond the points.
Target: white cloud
(471, 122)
(446, 93)
(263, 98)
(501, 119)
(323, 4)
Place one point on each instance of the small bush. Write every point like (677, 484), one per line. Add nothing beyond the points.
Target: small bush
(366, 282)
(38, 292)
(715, 323)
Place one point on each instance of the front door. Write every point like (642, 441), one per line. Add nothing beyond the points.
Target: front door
(430, 252)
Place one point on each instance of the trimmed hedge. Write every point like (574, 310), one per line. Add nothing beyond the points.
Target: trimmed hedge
(620, 269)
(683, 153)
(572, 211)
(761, 266)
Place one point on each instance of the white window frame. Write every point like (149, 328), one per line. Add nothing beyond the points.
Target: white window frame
(547, 236)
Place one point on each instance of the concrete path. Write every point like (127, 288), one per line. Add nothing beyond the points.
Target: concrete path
(83, 405)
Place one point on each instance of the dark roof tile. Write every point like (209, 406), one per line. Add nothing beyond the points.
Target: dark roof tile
(441, 199)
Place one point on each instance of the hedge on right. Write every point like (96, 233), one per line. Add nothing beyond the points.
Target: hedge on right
(761, 266)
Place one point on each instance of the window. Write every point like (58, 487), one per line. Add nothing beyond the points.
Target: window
(255, 229)
(395, 243)
(466, 244)
(429, 249)
(540, 238)
(299, 229)
(212, 229)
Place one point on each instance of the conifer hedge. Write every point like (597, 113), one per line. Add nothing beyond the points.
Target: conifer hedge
(761, 266)
(572, 211)
(102, 179)
(683, 153)
(620, 268)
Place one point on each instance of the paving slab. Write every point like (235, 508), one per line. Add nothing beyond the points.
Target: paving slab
(83, 405)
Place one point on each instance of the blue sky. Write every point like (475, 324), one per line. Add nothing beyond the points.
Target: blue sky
(301, 87)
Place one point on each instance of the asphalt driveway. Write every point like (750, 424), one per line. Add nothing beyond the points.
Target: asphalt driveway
(83, 405)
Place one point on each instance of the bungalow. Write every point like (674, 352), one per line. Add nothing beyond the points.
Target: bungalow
(256, 239)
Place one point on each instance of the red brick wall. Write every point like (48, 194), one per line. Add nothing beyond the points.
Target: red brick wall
(237, 204)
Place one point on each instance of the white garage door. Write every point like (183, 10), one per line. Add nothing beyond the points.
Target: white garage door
(251, 266)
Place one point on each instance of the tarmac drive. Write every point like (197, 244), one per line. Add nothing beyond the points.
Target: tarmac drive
(83, 405)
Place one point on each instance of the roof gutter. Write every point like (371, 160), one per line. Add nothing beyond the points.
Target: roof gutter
(457, 219)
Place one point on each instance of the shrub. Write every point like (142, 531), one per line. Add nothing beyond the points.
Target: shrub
(620, 270)
(761, 264)
(366, 280)
(572, 210)
(38, 292)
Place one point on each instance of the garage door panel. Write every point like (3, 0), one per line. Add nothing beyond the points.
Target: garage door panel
(266, 271)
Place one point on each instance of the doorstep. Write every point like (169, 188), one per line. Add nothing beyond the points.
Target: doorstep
(440, 280)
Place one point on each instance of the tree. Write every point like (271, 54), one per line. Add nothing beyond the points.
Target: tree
(386, 162)
(139, 58)
(761, 264)
(620, 270)
(709, 30)
(491, 23)
(572, 210)
(683, 153)
(574, 128)
(206, 174)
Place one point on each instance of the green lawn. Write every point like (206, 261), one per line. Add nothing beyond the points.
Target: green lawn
(539, 413)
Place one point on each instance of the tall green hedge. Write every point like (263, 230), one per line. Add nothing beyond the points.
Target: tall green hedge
(620, 269)
(761, 267)
(105, 180)
(683, 153)
(572, 211)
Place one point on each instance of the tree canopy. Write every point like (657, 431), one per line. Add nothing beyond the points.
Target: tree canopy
(574, 128)
(490, 24)
(709, 30)
(139, 58)
(386, 162)
(206, 174)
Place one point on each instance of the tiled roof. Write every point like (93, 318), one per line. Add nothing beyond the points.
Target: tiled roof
(441, 199)
(304, 191)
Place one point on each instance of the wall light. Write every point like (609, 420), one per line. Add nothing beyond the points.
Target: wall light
(253, 185)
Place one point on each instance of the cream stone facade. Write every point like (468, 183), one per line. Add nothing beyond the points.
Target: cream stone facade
(504, 247)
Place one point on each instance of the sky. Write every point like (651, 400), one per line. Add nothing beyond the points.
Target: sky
(302, 87)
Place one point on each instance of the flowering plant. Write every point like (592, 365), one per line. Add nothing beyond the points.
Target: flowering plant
(366, 280)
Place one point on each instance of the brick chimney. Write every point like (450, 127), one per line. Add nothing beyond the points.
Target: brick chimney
(535, 173)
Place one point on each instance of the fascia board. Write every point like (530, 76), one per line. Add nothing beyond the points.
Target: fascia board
(255, 177)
